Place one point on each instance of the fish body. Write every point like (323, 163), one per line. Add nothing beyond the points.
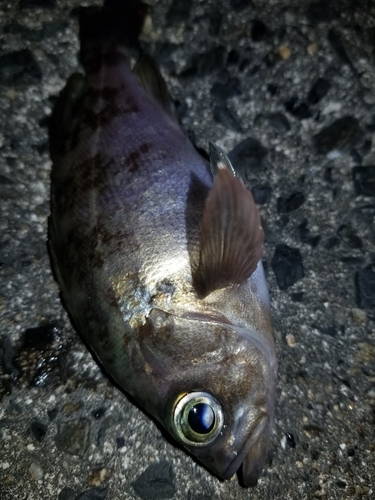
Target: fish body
(158, 260)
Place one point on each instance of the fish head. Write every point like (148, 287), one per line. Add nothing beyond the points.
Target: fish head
(213, 388)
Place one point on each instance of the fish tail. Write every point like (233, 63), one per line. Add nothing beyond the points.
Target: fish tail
(117, 24)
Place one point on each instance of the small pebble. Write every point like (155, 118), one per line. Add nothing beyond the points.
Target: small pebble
(312, 49)
(290, 340)
(359, 315)
(284, 52)
(36, 471)
(97, 477)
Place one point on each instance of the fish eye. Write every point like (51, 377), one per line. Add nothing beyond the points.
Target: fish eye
(197, 418)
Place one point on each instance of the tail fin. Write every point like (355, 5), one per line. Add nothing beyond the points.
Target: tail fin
(117, 23)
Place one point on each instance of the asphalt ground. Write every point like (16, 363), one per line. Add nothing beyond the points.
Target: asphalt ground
(286, 87)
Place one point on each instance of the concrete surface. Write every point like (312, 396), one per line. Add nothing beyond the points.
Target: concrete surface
(239, 69)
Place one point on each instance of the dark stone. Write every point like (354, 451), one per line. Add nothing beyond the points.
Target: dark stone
(39, 337)
(365, 287)
(344, 382)
(19, 67)
(67, 494)
(33, 35)
(341, 484)
(200, 496)
(244, 64)
(278, 122)
(371, 126)
(248, 155)
(4, 180)
(225, 116)
(98, 412)
(356, 157)
(271, 59)
(239, 5)
(120, 442)
(253, 71)
(287, 265)
(41, 4)
(334, 40)
(226, 90)
(290, 440)
(318, 90)
(47, 368)
(38, 430)
(52, 414)
(73, 437)
(275, 121)
(52, 29)
(320, 12)
(350, 451)
(261, 193)
(178, 12)
(297, 296)
(341, 135)
(349, 236)
(42, 147)
(306, 236)
(93, 494)
(273, 89)
(258, 30)
(102, 432)
(44, 122)
(352, 261)
(216, 21)
(205, 63)
(5, 422)
(329, 330)
(8, 359)
(364, 180)
(290, 203)
(331, 242)
(233, 57)
(298, 108)
(156, 482)
(365, 148)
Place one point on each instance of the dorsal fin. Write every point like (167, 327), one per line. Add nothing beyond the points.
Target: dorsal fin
(232, 237)
(218, 159)
(150, 78)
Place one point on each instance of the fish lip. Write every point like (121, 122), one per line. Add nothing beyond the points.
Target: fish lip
(241, 457)
(236, 463)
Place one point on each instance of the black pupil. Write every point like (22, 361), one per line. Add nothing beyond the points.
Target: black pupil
(201, 418)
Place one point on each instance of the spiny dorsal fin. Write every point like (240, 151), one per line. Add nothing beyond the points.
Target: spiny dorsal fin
(149, 77)
(232, 237)
(218, 159)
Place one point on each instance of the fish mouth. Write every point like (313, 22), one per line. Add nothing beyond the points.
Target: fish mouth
(252, 455)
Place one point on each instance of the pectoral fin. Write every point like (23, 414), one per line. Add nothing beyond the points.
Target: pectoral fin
(232, 237)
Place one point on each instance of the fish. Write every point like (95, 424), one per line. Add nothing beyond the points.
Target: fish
(157, 252)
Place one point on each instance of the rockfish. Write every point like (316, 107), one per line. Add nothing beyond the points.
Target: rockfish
(158, 253)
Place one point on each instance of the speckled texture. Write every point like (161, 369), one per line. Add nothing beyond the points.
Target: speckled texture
(66, 432)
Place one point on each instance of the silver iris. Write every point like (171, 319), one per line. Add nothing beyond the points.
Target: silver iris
(197, 418)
